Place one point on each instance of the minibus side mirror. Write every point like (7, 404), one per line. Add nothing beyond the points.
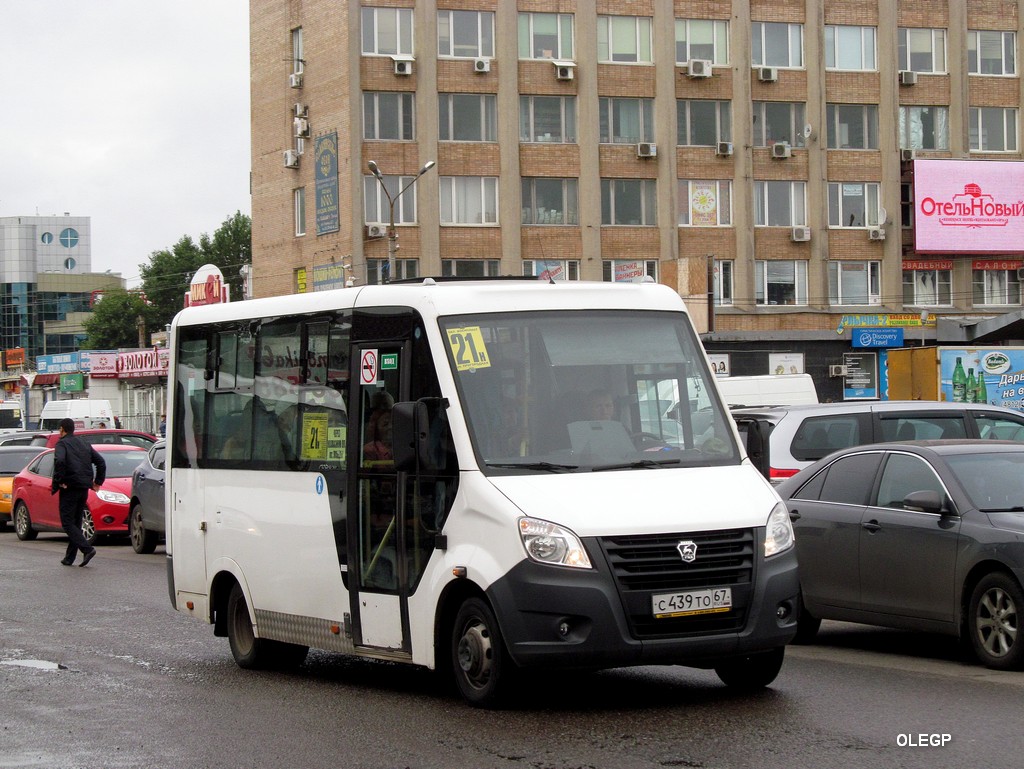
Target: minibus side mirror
(757, 444)
(410, 434)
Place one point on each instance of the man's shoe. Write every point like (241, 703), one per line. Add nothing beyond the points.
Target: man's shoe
(66, 562)
(88, 557)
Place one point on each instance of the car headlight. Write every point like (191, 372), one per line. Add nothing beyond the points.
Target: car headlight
(552, 544)
(5, 495)
(778, 535)
(112, 496)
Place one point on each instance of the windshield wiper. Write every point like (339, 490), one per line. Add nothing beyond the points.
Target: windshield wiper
(550, 467)
(638, 464)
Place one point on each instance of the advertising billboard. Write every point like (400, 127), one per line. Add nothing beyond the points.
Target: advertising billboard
(968, 206)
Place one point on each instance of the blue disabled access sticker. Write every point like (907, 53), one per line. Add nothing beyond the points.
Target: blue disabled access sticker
(319, 484)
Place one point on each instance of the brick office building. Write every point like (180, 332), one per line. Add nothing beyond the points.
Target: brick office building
(760, 151)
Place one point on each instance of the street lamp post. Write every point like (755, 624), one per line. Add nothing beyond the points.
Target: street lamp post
(392, 233)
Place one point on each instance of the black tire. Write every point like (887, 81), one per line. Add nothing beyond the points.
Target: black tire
(806, 624)
(4, 522)
(993, 622)
(480, 664)
(23, 523)
(143, 540)
(752, 671)
(254, 653)
(89, 527)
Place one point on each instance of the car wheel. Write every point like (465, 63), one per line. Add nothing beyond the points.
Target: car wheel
(23, 523)
(254, 653)
(752, 671)
(89, 527)
(481, 666)
(994, 618)
(143, 540)
(806, 624)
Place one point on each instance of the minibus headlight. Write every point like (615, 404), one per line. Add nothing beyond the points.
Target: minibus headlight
(778, 535)
(112, 496)
(551, 544)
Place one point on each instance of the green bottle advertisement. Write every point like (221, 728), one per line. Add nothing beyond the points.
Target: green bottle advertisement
(959, 382)
(971, 388)
(982, 389)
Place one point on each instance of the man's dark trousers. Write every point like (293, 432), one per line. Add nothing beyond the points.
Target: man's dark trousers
(72, 510)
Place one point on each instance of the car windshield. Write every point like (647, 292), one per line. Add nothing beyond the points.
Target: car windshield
(121, 464)
(993, 481)
(579, 391)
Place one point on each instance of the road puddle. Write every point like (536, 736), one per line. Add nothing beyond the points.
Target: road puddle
(36, 664)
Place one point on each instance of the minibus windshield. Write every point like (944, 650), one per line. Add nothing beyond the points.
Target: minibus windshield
(586, 390)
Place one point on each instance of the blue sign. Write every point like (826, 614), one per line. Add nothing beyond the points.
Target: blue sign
(877, 337)
(326, 154)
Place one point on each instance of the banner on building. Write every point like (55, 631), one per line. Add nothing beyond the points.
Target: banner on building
(326, 156)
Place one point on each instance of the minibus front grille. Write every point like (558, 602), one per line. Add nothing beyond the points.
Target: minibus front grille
(647, 565)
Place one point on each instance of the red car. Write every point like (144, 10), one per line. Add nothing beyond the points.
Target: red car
(36, 509)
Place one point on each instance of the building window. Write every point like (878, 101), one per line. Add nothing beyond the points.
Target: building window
(547, 119)
(465, 34)
(993, 129)
(906, 205)
(387, 31)
(375, 202)
(628, 270)
(852, 126)
(299, 206)
(550, 201)
(780, 204)
(703, 123)
(722, 279)
(469, 200)
(853, 49)
(922, 50)
(994, 286)
(624, 39)
(779, 282)
(853, 204)
(991, 52)
(552, 269)
(626, 121)
(854, 282)
(775, 44)
(545, 36)
(388, 116)
(467, 117)
(629, 202)
(705, 203)
(927, 288)
(706, 39)
(298, 60)
(470, 268)
(924, 128)
(778, 121)
(404, 268)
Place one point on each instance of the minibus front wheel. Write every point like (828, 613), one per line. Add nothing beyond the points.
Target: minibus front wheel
(480, 662)
(751, 671)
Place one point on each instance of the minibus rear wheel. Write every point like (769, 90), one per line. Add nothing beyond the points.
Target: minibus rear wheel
(254, 653)
(480, 663)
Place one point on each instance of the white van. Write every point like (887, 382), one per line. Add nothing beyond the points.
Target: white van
(85, 412)
(768, 390)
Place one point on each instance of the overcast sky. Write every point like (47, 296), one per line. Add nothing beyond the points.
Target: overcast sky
(132, 112)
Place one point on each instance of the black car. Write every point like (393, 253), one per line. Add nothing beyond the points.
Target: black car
(923, 535)
(146, 519)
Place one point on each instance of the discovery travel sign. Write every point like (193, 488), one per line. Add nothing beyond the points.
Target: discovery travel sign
(968, 206)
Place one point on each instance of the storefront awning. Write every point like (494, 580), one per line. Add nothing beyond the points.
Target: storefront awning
(46, 379)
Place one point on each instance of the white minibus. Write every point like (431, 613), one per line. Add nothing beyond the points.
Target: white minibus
(459, 475)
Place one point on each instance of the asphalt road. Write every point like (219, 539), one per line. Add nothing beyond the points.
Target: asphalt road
(96, 670)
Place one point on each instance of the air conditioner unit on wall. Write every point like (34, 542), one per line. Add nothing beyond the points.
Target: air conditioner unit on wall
(781, 150)
(800, 234)
(837, 370)
(767, 74)
(564, 70)
(724, 149)
(376, 230)
(403, 65)
(301, 126)
(295, 80)
(876, 233)
(647, 150)
(301, 110)
(906, 156)
(698, 68)
(481, 65)
(291, 159)
(907, 77)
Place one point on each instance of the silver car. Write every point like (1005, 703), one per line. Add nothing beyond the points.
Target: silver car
(146, 520)
(782, 440)
(924, 535)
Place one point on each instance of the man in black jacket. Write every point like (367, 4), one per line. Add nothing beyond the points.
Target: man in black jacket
(73, 476)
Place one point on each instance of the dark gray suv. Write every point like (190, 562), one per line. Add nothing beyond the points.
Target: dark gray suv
(146, 520)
